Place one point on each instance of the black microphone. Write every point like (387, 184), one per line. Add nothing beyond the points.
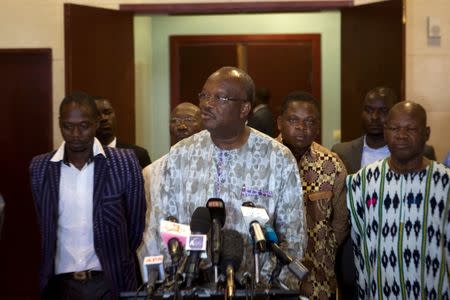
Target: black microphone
(175, 250)
(155, 272)
(200, 224)
(294, 265)
(217, 210)
(231, 257)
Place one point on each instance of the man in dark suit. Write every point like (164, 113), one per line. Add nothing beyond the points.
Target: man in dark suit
(107, 128)
(359, 153)
(262, 118)
(91, 209)
(372, 146)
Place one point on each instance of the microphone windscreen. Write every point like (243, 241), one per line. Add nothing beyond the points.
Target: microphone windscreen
(216, 208)
(271, 236)
(200, 221)
(172, 219)
(232, 249)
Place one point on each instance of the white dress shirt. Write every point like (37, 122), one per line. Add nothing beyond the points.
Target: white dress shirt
(113, 143)
(370, 155)
(75, 236)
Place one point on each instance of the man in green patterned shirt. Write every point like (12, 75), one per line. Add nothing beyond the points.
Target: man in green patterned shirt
(400, 214)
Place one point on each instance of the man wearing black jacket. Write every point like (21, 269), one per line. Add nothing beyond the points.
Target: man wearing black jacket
(106, 132)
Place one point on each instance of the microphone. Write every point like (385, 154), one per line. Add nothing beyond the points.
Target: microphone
(173, 232)
(200, 224)
(294, 265)
(231, 257)
(169, 230)
(154, 272)
(255, 217)
(217, 210)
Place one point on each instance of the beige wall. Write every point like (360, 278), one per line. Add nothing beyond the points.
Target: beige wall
(39, 23)
(428, 67)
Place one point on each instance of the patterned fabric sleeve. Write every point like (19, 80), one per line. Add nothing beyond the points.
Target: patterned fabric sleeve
(339, 222)
(356, 209)
(290, 222)
(135, 203)
(155, 196)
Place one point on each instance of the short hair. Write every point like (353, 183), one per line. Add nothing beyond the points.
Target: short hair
(96, 98)
(382, 92)
(262, 94)
(81, 99)
(299, 96)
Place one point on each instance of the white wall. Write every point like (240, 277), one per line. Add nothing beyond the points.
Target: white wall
(428, 67)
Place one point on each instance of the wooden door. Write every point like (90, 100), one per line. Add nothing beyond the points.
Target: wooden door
(99, 59)
(26, 123)
(281, 63)
(372, 43)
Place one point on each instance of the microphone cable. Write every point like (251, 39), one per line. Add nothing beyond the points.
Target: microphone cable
(139, 289)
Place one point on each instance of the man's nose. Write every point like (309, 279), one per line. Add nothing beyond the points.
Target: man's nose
(375, 115)
(76, 131)
(182, 125)
(402, 133)
(301, 125)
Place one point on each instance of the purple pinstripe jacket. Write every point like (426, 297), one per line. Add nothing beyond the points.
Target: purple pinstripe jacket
(118, 212)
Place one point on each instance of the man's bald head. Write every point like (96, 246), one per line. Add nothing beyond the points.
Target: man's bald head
(185, 120)
(406, 132)
(410, 108)
(236, 75)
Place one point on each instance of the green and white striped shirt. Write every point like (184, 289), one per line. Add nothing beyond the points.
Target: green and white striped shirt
(400, 227)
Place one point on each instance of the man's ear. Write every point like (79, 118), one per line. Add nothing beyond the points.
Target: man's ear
(97, 122)
(279, 120)
(246, 107)
(427, 133)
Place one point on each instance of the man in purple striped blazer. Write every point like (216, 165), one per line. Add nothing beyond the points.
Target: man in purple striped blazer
(91, 209)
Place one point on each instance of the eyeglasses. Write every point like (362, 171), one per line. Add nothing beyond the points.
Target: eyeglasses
(308, 123)
(216, 99)
(179, 121)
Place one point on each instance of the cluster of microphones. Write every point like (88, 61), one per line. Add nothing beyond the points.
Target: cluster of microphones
(188, 249)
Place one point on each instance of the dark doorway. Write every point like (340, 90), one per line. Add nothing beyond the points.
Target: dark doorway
(372, 42)
(99, 59)
(26, 122)
(281, 63)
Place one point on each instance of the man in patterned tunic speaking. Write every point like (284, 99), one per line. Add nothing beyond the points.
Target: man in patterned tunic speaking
(231, 161)
(400, 214)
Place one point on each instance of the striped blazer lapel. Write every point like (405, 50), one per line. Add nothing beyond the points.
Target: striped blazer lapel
(100, 169)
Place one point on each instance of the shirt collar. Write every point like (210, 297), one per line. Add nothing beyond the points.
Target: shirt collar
(60, 154)
(309, 152)
(113, 143)
(258, 107)
(367, 147)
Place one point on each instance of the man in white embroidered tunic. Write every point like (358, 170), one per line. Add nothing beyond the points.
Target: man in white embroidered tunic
(400, 214)
(231, 161)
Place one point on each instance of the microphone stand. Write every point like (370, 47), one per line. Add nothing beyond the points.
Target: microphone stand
(256, 260)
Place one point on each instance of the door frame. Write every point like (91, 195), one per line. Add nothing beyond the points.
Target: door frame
(178, 41)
